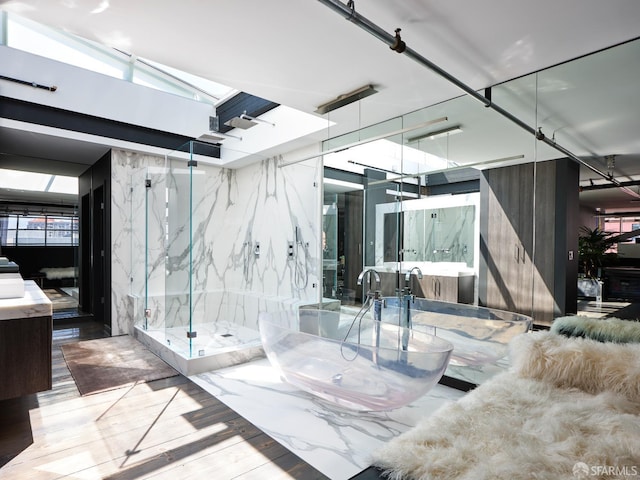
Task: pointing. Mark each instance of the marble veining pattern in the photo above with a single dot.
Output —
(127, 236)
(478, 374)
(235, 239)
(335, 441)
(233, 211)
(34, 303)
(147, 219)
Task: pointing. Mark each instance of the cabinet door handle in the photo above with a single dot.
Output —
(517, 252)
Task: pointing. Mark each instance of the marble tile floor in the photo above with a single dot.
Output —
(335, 441)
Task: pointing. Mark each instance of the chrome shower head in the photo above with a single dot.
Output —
(241, 122)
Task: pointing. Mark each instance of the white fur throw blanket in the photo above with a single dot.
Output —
(569, 408)
(55, 273)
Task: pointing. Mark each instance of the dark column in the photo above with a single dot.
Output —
(95, 241)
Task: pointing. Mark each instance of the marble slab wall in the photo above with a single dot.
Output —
(260, 208)
(127, 237)
(242, 223)
(148, 212)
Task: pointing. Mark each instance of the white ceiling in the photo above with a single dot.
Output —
(303, 54)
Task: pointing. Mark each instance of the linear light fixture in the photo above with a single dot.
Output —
(437, 134)
(372, 167)
(342, 184)
(346, 99)
(478, 165)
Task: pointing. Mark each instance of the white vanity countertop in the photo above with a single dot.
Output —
(34, 303)
(451, 273)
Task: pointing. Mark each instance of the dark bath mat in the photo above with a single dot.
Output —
(114, 362)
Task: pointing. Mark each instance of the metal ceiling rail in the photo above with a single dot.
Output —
(395, 43)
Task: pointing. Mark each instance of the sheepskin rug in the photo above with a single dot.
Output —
(586, 364)
(547, 418)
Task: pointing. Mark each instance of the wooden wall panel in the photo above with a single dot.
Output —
(527, 229)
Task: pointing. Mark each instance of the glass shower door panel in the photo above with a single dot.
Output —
(138, 285)
(155, 221)
(178, 255)
(199, 258)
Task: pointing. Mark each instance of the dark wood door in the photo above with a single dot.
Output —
(85, 300)
(98, 257)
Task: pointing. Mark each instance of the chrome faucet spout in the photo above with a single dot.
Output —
(376, 276)
(407, 277)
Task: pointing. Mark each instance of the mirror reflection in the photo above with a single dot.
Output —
(524, 200)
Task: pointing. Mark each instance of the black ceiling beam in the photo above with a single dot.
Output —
(29, 112)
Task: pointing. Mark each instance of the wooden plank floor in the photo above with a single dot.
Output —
(166, 429)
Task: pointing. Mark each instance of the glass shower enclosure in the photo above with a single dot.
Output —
(165, 243)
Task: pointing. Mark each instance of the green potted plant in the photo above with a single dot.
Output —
(593, 254)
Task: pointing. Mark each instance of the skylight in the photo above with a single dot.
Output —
(29, 36)
(213, 88)
(32, 37)
(38, 182)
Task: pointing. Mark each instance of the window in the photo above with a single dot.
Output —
(29, 36)
(38, 230)
(619, 226)
(37, 182)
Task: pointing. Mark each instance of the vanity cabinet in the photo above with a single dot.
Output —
(25, 343)
(457, 289)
